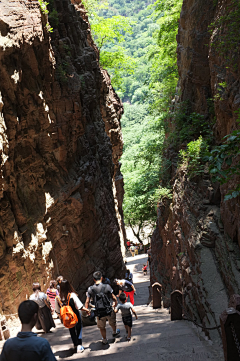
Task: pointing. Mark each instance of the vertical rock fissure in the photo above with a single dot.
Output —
(61, 144)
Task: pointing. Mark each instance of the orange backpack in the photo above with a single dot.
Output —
(68, 317)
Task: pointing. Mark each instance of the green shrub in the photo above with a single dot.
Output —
(193, 157)
(189, 126)
(221, 160)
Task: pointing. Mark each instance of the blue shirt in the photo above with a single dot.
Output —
(27, 347)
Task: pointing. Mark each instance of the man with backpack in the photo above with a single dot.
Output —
(101, 294)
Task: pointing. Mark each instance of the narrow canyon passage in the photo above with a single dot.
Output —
(154, 336)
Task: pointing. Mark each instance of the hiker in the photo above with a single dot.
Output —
(126, 287)
(105, 280)
(149, 253)
(27, 346)
(59, 280)
(101, 295)
(126, 308)
(144, 269)
(132, 250)
(129, 276)
(136, 250)
(128, 244)
(45, 320)
(68, 296)
(52, 293)
(140, 248)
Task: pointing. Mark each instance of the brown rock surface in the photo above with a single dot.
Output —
(195, 245)
(60, 145)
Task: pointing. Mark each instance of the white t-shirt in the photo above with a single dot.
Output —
(39, 298)
(78, 304)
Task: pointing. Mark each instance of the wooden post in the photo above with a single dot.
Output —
(176, 305)
(157, 295)
(230, 326)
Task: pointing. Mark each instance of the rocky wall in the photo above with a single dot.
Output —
(61, 185)
(195, 247)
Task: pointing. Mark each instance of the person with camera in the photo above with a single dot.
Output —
(101, 294)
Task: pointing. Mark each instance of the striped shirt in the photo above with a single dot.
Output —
(52, 295)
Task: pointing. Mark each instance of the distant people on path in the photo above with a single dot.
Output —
(52, 293)
(59, 280)
(132, 250)
(44, 320)
(149, 253)
(101, 294)
(126, 287)
(126, 308)
(128, 244)
(27, 346)
(129, 276)
(136, 250)
(105, 280)
(144, 269)
(69, 296)
(140, 248)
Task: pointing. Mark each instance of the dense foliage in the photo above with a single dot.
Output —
(149, 49)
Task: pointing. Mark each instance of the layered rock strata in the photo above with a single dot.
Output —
(61, 185)
(195, 246)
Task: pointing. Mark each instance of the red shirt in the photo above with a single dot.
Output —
(128, 244)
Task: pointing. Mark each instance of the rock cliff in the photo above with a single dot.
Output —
(195, 246)
(61, 185)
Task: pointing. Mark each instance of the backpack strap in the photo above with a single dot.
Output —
(59, 301)
(68, 298)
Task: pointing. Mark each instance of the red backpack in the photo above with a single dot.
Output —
(68, 317)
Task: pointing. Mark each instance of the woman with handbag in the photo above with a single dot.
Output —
(45, 320)
(68, 296)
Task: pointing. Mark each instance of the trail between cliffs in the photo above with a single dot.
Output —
(154, 336)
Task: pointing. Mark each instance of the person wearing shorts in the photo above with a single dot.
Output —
(126, 308)
(97, 288)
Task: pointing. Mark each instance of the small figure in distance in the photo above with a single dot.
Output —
(136, 250)
(105, 280)
(126, 308)
(27, 346)
(52, 293)
(144, 269)
(69, 296)
(45, 320)
(59, 280)
(149, 253)
(132, 250)
(101, 295)
(129, 276)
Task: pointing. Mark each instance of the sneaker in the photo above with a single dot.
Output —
(116, 333)
(128, 339)
(80, 348)
(104, 341)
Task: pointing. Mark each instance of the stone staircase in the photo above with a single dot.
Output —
(154, 336)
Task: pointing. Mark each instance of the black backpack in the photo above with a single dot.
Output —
(102, 304)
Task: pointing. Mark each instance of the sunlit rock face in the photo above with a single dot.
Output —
(60, 142)
(196, 243)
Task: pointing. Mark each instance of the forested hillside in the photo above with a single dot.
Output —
(141, 57)
(146, 93)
